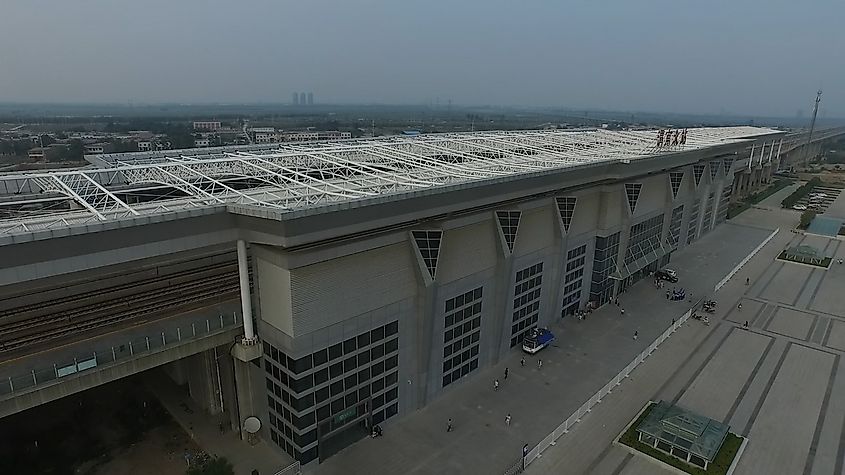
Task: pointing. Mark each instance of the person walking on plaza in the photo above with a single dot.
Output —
(506, 373)
(522, 362)
(496, 385)
(745, 325)
(540, 364)
(747, 280)
(622, 311)
(739, 306)
(636, 334)
(449, 425)
(508, 420)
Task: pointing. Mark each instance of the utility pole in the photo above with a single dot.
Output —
(812, 127)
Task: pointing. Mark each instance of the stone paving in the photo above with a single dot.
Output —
(587, 355)
(779, 383)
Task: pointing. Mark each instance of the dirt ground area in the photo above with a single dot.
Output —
(117, 428)
(160, 452)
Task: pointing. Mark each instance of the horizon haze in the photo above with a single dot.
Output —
(740, 58)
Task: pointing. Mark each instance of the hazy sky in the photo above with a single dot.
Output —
(762, 57)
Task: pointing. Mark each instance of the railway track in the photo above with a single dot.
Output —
(172, 293)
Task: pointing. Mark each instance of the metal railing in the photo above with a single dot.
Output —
(292, 469)
(82, 362)
(608, 388)
(745, 261)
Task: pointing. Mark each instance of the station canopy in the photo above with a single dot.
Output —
(294, 176)
(680, 428)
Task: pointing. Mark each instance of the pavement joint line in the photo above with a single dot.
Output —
(702, 365)
(769, 319)
(797, 341)
(821, 330)
(812, 327)
(750, 379)
(840, 453)
(811, 453)
(757, 314)
(774, 263)
(766, 390)
(623, 464)
(827, 332)
(803, 287)
(809, 311)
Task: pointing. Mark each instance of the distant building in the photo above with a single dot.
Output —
(98, 148)
(295, 99)
(310, 98)
(207, 125)
(306, 136)
(303, 99)
(411, 133)
(145, 145)
(45, 154)
(203, 142)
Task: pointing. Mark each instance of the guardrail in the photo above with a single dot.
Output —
(292, 469)
(745, 261)
(117, 353)
(586, 408)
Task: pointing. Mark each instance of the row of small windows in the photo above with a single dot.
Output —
(521, 313)
(579, 262)
(463, 299)
(573, 287)
(642, 240)
(675, 225)
(578, 251)
(576, 274)
(520, 301)
(528, 284)
(693, 221)
(460, 351)
(333, 352)
(530, 271)
(523, 318)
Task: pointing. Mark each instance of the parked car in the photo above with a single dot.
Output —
(799, 207)
(667, 275)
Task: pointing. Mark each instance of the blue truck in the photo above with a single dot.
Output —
(537, 339)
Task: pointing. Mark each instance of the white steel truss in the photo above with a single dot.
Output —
(295, 176)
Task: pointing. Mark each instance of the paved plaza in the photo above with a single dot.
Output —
(779, 383)
(587, 355)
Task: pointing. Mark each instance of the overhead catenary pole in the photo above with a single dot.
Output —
(812, 127)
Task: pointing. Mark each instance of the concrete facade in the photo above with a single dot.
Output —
(487, 276)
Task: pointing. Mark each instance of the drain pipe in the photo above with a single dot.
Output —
(246, 301)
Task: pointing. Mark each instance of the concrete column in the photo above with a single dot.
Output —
(246, 300)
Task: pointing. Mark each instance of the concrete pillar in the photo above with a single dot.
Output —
(204, 380)
(246, 300)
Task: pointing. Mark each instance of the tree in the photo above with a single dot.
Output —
(806, 218)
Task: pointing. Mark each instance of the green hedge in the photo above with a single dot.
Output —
(801, 192)
(738, 207)
(720, 464)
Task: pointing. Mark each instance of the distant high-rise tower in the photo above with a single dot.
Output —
(310, 98)
(296, 98)
(302, 99)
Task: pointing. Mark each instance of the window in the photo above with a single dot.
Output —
(462, 324)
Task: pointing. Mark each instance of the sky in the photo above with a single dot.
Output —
(755, 57)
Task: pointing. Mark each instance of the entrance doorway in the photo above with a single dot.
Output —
(343, 429)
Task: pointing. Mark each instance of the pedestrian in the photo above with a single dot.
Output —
(506, 373)
(739, 306)
(508, 420)
(667, 295)
(522, 362)
(745, 325)
(747, 280)
(636, 334)
(673, 321)
(622, 311)
(616, 301)
(449, 425)
(496, 385)
(540, 364)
